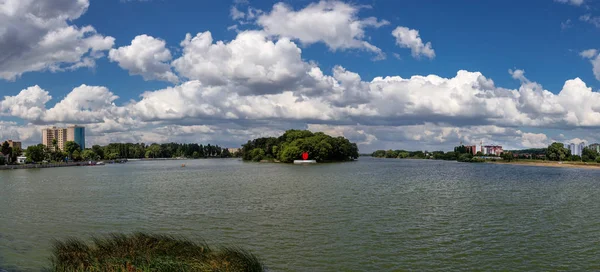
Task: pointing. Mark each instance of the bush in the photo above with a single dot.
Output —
(477, 160)
(465, 157)
(145, 252)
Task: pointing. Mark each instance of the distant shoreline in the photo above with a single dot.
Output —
(563, 164)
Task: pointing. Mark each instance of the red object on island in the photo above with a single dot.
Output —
(305, 156)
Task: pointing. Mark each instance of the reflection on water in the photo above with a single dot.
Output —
(370, 215)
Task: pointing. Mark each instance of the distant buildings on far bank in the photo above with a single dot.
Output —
(595, 147)
(14, 144)
(494, 150)
(63, 135)
(576, 149)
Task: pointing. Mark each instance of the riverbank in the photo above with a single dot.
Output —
(589, 165)
(47, 165)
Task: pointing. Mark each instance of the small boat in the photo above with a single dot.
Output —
(183, 165)
(100, 163)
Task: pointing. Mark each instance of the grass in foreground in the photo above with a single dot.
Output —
(148, 252)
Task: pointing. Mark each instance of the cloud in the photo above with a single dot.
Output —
(430, 109)
(258, 84)
(344, 30)
(571, 2)
(236, 14)
(589, 53)
(592, 55)
(251, 62)
(566, 24)
(409, 38)
(588, 18)
(535, 140)
(146, 56)
(35, 35)
(28, 104)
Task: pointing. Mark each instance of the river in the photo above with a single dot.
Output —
(368, 215)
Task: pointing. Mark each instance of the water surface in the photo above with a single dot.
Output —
(369, 215)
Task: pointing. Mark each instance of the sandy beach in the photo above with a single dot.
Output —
(590, 165)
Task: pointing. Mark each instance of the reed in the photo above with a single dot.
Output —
(148, 252)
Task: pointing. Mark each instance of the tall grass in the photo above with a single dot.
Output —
(148, 252)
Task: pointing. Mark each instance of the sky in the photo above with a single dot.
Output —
(414, 74)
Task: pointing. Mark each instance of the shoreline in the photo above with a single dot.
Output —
(551, 164)
(38, 166)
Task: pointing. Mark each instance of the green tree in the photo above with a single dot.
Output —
(258, 154)
(290, 153)
(99, 151)
(391, 154)
(575, 158)
(76, 155)
(55, 144)
(89, 155)
(378, 154)
(507, 156)
(557, 152)
(16, 152)
(36, 153)
(196, 155)
(2, 160)
(466, 157)
(226, 154)
(71, 146)
(589, 155)
(5, 149)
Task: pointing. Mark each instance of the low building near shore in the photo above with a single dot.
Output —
(21, 159)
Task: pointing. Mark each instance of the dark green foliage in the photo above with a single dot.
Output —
(401, 154)
(36, 153)
(169, 150)
(89, 154)
(71, 147)
(507, 156)
(2, 160)
(145, 252)
(289, 147)
(6, 149)
(589, 155)
(575, 158)
(461, 149)
(557, 152)
(465, 157)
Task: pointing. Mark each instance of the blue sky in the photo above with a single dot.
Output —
(541, 42)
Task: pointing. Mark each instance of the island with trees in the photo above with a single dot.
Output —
(290, 146)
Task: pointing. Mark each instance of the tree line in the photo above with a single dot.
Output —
(460, 153)
(558, 152)
(115, 151)
(290, 146)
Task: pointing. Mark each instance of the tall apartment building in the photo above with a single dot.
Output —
(76, 134)
(49, 134)
(63, 135)
(576, 149)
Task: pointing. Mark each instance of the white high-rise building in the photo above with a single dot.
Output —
(576, 149)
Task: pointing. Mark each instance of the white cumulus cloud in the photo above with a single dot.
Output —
(35, 35)
(333, 23)
(410, 38)
(146, 56)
